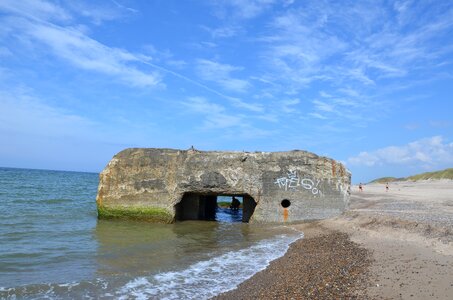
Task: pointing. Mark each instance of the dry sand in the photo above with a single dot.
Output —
(389, 245)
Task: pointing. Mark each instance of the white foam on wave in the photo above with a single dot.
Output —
(209, 278)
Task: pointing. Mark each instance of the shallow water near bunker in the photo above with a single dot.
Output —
(53, 246)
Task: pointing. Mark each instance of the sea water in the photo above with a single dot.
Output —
(53, 246)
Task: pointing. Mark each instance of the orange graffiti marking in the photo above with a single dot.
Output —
(285, 214)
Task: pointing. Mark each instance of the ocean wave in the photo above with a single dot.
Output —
(201, 280)
(209, 278)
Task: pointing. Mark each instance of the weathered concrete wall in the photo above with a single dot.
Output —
(317, 187)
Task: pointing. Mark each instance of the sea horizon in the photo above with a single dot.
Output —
(43, 169)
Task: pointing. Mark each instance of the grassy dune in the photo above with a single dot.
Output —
(444, 174)
(386, 179)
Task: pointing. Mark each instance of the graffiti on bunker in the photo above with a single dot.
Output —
(292, 181)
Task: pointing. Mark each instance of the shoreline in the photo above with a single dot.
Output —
(388, 245)
(325, 264)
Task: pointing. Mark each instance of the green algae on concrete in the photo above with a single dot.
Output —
(150, 214)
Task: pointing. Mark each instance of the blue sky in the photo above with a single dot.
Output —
(369, 83)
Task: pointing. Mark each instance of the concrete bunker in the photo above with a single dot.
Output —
(168, 185)
(203, 206)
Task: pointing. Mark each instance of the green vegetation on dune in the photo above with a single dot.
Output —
(443, 174)
(386, 179)
(150, 214)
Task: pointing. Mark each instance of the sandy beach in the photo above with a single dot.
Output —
(395, 244)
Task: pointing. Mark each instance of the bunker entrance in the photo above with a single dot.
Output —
(215, 207)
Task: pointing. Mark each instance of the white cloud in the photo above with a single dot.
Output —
(325, 95)
(255, 107)
(431, 151)
(216, 116)
(353, 52)
(89, 54)
(130, 9)
(347, 102)
(86, 53)
(298, 48)
(225, 31)
(226, 123)
(35, 9)
(251, 9)
(309, 44)
(359, 75)
(74, 46)
(221, 74)
(202, 105)
(242, 9)
(340, 108)
(100, 12)
(349, 92)
(318, 116)
(323, 106)
(288, 106)
(31, 26)
(49, 11)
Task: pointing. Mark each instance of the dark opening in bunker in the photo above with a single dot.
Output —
(215, 207)
(285, 203)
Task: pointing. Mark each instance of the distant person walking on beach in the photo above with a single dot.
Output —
(360, 187)
(235, 204)
(387, 187)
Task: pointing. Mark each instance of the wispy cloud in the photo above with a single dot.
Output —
(289, 106)
(225, 31)
(323, 106)
(221, 74)
(354, 52)
(101, 12)
(318, 116)
(342, 106)
(35, 9)
(428, 152)
(216, 115)
(74, 46)
(89, 54)
(241, 9)
(255, 107)
(298, 47)
(130, 9)
(46, 10)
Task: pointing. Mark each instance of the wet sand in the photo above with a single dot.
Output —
(389, 245)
